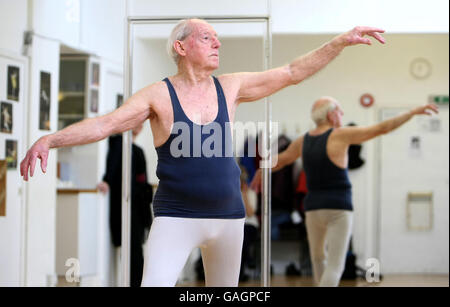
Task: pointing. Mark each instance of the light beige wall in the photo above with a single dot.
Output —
(382, 70)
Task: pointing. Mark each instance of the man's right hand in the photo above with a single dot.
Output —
(39, 150)
(427, 109)
(256, 182)
(103, 187)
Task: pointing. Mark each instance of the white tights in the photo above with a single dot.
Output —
(172, 239)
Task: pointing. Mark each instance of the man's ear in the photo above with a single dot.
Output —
(179, 48)
(330, 117)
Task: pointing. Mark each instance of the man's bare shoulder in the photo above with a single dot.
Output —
(229, 80)
(346, 134)
(343, 130)
(156, 90)
(340, 132)
(155, 96)
(230, 84)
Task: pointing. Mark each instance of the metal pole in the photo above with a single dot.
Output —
(126, 164)
(267, 173)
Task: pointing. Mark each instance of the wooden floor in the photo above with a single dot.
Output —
(288, 281)
(386, 281)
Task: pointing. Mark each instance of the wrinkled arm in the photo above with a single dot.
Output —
(129, 115)
(90, 130)
(292, 153)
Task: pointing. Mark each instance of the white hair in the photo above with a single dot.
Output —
(320, 114)
(180, 32)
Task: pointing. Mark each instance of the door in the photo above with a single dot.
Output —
(414, 160)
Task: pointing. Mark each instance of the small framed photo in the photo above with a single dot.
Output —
(11, 154)
(6, 117)
(94, 101)
(95, 74)
(119, 100)
(13, 83)
(44, 101)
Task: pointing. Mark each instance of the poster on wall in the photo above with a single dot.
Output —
(94, 101)
(44, 102)
(95, 74)
(429, 124)
(11, 154)
(13, 83)
(415, 147)
(6, 117)
(3, 187)
(119, 100)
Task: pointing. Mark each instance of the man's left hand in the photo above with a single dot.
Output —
(356, 36)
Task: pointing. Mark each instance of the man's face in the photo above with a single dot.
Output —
(338, 115)
(335, 116)
(202, 46)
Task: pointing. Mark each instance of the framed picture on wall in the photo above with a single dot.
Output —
(94, 101)
(44, 101)
(95, 74)
(13, 83)
(3, 172)
(6, 117)
(11, 154)
(119, 100)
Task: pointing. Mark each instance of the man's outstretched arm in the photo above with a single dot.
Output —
(128, 116)
(257, 85)
(358, 135)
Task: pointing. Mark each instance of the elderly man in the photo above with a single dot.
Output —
(198, 201)
(328, 204)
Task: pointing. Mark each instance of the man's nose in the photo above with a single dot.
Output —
(216, 43)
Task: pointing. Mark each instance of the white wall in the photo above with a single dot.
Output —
(57, 19)
(13, 22)
(197, 8)
(304, 16)
(96, 27)
(102, 28)
(41, 189)
(329, 16)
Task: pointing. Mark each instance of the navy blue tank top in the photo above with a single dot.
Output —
(328, 185)
(198, 174)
